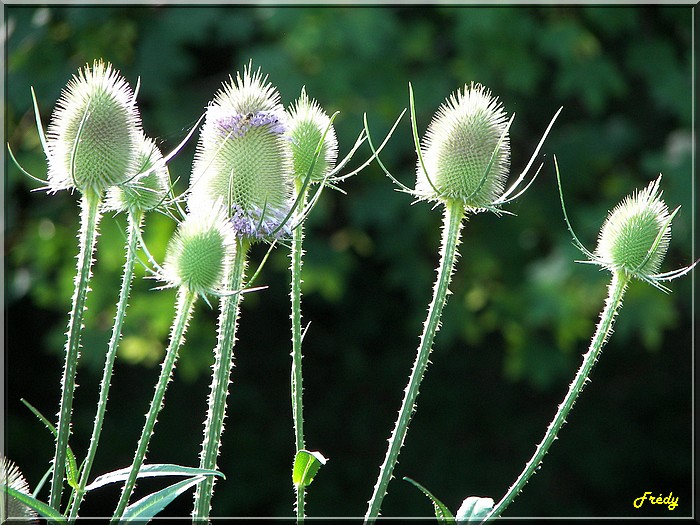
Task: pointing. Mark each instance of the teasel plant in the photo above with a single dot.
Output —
(632, 244)
(91, 145)
(13, 505)
(462, 164)
(139, 195)
(314, 148)
(244, 158)
(197, 260)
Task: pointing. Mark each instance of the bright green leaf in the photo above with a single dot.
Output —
(150, 471)
(150, 505)
(442, 513)
(40, 507)
(306, 465)
(473, 509)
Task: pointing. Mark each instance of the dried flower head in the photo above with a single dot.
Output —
(244, 158)
(148, 188)
(94, 132)
(466, 151)
(200, 251)
(10, 507)
(309, 126)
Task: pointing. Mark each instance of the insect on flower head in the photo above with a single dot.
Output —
(244, 158)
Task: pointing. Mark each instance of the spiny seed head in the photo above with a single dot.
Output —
(94, 132)
(307, 125)
(636, 233)
(244, 157)
(147, 190)
(467, 132)
(10, 476)
(200, 251)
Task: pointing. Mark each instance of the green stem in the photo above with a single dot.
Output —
(454, 212)
(127, 277)
(297, 393)
(185, 303)
(214, 424)
(89, 221)
(616, 291)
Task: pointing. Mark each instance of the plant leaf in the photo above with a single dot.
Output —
(150, 505)
(150, 471)
(442, 513)
(40, 507)
(306, 465)
(474, 508)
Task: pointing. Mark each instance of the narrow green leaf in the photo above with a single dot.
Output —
(150, 471)
(306, 465)
(71, 464)
(442, 513)
(474, 509)
(149, 506)
(38, 506)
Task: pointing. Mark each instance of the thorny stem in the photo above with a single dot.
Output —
(89, 221)
(185, 303)
(214, 424)
(452, 223)
(616, 291)
(297, 393)
(135, 220)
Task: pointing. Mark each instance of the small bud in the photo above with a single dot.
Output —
(307, 125)
(200, 251)
(466, 151)
(146, 190)
(94, 132)
(636, 233)
(244, 158)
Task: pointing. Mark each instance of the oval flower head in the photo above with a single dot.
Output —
(465, 155)
(243, 157)
(200, 251)
(309, 128)
(94, 132)
(148, 188)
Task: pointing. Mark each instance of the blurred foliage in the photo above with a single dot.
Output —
(521, 313)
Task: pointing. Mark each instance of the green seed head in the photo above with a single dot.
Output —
(94, 132)
(307, 125)
(635, 236)
(244, 157)
(466, 151)
(146, 190)
(200, 251)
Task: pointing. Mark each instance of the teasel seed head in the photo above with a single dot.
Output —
(308, 124)
(466, 151)
(148, 188)
(94, 132)
(244, 158)
(10, 476)
(200, 251)
(635, 236)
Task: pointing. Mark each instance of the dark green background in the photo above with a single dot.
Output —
(521, 313)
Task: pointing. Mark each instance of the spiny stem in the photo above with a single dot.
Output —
(297, 393)
(616, 291)
(135, 220)
(89, 221)
(185, 303)
(452, 223)
(214, 424)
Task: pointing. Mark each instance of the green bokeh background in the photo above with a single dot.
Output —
(521, 312)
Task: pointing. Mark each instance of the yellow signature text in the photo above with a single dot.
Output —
(669, 500)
